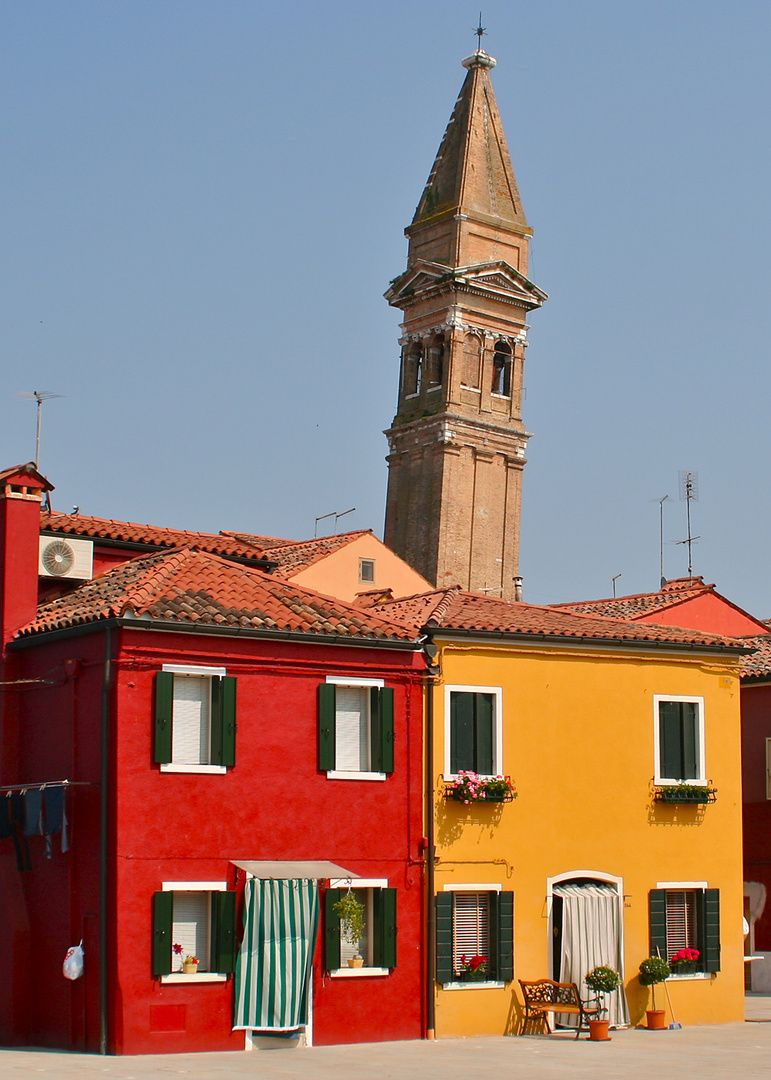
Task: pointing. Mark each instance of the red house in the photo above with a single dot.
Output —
(200, 760)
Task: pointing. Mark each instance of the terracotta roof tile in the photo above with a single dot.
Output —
(193, 586)
(453, 609)
(130, 532)
(639, 604)
(293, 556)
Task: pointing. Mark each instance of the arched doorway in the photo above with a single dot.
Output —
(586, 927)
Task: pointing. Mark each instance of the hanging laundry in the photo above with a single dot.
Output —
(55, 817)
(33, 824)
(18, 817)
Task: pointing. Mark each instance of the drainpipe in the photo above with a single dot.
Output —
(104, 776)
(431, 650)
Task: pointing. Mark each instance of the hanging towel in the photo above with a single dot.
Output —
(18, 818)
(56, 817)
(33, 824)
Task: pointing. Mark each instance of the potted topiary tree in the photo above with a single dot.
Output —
(652, 971)
(603, 980)
(351, 915)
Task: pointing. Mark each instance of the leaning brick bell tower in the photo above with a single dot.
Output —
(457, 442)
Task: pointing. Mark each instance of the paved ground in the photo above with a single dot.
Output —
(728, 1051)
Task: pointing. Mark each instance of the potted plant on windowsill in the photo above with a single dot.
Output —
(603, 980)
(468, 787)
(473, 970)
(684, 961)
(351, 914)
(686, 793)
(652, 971)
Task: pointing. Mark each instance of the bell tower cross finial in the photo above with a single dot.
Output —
(480, 32)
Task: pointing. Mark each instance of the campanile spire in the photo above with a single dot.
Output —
(457, 443)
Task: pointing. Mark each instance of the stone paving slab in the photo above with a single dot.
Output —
(721, 1051)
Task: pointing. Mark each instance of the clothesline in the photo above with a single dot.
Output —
(8, 788)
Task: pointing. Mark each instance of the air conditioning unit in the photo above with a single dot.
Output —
(66, 558)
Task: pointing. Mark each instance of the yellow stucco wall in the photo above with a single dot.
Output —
(578, 740)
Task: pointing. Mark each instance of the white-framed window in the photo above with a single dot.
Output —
(375, 953)
(195, 720)
(475, 935)
(356, 728)
(366, 571)
(679, 739)
(194, 920)
(473, 730)
(686, 915)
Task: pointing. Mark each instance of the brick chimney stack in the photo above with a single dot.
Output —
(21, 493)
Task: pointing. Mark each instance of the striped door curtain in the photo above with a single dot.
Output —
(273, 968)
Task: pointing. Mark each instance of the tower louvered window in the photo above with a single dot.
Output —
(472, 353)
(502, 369)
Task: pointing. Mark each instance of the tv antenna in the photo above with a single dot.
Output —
(333, 514)
(689, 492)
(40, 396)
(613, 581)
(662, 579)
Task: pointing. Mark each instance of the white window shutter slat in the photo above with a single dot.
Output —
(352, 729)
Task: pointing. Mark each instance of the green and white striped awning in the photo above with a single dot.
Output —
(273, 968)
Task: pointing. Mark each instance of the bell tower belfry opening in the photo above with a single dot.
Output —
(457, 442)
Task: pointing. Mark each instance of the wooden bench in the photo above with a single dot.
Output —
(546, 995)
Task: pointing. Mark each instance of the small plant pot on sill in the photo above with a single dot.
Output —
(356, 962)
(472, 976)
(598, 1030)
(655, 1019)
(189, 968)
(686, 967)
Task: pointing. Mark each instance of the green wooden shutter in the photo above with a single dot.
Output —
(709, 904)
(223, 720)
(689, 724)
(483, 731)
(502, 935)
(461, 731)
(375, 736)
(223, 936)
(657, 909)
(326, 726)
(386, 695)
(163, 908)
(670, 741)
(164, 708)
(331, 930)
(384, 935)
(444, 966)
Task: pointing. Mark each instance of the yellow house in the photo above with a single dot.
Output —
(593, 719)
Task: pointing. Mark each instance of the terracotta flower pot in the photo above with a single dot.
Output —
(356, 961)
(598, 1030)
(655, 1019)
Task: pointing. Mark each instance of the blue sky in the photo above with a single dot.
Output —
(204, 202)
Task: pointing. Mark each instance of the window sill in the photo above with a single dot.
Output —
(473, 389)
(199, 977)
(430, 389)
(172, 767)
(358, 973)
(334, 774)
(492, 985)
(503, 397)
(690, 976)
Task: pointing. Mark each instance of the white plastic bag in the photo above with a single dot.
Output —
(72, 967)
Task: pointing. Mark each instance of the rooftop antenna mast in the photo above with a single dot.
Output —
(40, 396)
(689, 491)
(662, 579)
(613, 580)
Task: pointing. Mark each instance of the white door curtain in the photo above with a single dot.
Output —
(591, 935)
(273, 968)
